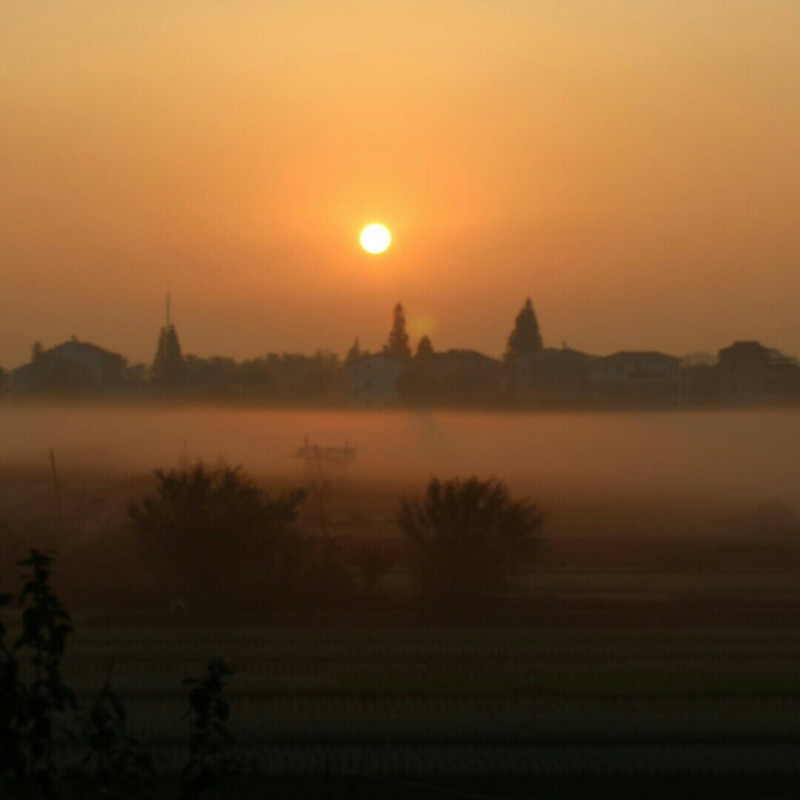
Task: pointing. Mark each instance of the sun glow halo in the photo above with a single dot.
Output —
(375, 238)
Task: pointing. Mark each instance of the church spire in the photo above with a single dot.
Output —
(168, 365)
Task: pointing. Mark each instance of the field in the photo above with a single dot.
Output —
(507, 707)
(653, 650)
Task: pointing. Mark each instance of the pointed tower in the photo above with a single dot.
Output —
(168, 367)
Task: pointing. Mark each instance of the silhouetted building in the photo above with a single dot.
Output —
(636, 378)
(551, 377)
(71, 367)
(466, 377)
(373, 380)
(215, 378)
(750, 373)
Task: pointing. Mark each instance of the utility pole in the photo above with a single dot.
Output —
(56, 492)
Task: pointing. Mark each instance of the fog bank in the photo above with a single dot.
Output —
(736, 454)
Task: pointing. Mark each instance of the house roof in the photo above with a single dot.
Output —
(84, 351)
(458, 355)
(554, 354)
(745, 349)
(641, 355)
(379, 356)
(79, 352)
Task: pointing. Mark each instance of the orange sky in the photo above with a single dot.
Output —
(633, 166)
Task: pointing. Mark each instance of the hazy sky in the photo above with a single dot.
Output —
(632, 165)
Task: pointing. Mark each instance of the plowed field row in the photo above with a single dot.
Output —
(459, 685)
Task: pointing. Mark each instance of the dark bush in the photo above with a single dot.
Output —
(466, 539)
(214, 533)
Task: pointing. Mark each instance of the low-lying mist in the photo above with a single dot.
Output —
(716, 454)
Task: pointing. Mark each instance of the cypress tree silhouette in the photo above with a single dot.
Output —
(525, 337)
(397, 346)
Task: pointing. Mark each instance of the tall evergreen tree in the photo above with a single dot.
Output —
(525, 337)
(397, 346)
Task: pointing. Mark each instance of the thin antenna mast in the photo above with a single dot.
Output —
(59, 509)
(168, 309)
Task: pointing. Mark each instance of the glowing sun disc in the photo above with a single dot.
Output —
(375, 238)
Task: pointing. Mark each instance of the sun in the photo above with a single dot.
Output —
(375, 238)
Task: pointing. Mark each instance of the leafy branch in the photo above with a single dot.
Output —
(210, 761)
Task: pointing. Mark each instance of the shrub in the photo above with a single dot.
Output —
(46, 699)
(210, 528)
(467, 537)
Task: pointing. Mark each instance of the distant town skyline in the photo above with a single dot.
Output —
(633, 167)
(357, 343)
(529, 376)
(367, 347)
